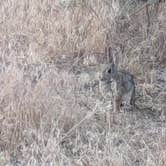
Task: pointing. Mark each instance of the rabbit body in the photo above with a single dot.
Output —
(122, 85)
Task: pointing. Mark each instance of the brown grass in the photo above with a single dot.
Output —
(49, 115)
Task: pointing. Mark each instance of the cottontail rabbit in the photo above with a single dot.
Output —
(124, 86)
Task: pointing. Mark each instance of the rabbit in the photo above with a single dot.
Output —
(124, 85)
(124, 88)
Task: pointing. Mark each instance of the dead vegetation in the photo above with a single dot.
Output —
(53, 109)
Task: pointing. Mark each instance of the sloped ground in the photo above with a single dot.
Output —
(56, 112)
(53, 116)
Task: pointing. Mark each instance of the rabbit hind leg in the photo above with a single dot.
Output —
(117, 103)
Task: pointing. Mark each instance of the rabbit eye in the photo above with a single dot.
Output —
(109, 71)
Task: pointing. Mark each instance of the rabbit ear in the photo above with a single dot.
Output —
(115, 58)
(114, 68)
(110, 54)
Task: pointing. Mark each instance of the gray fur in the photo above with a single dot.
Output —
(124, 89)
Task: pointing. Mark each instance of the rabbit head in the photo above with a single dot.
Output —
(110, 70)
(109, 73)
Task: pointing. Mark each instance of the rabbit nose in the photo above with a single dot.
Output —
(102, 79)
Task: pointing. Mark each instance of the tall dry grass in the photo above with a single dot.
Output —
(47, 114)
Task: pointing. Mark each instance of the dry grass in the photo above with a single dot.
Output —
(49, 115)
